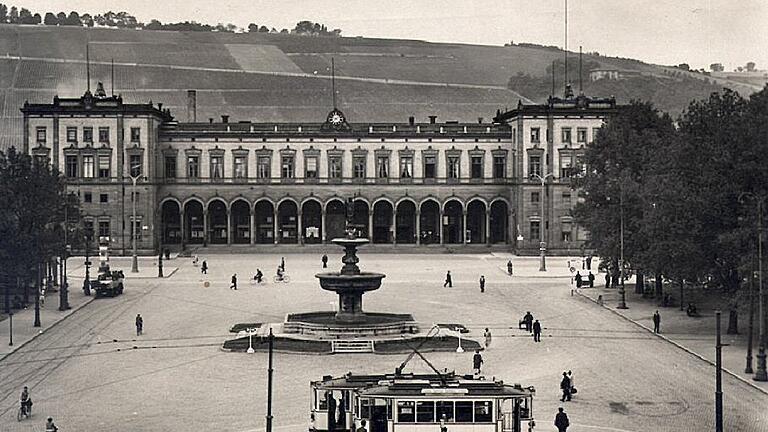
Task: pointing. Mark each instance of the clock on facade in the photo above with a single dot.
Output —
(336, 117)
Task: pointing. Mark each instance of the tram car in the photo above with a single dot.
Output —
(443, 402)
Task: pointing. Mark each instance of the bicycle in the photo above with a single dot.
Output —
(24, 412)
(285, 279)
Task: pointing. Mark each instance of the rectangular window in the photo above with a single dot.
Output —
(580, 165)
(87, 197)
(135, 135)
(406, 412)
(566, 166)
(464, 410)
(499, 167)
(581, 135)
(566, 231)
(41, 138)
(535, 135)
(425, 412)
(103, 228)
(534, 165)
(535, 230)
(444, 410)
(594, 133)
(88, 135)
(358, 165)
(88, 168)
(138, 229)
(103, 198)
(535, 197)
(135, 165)
(170, 167)
(477, 167)
(72, 135)
(430, 167)
(334, 167)
(241, 167)
(567, 197)
(217, 167)
(193, 166)
(286, 169)
(104, 166)
(406, 167)
(71, 166)
(483, 413)
(566, 132)
(263, 164)
(382, 166)
(453, 167)
(104, 135)
(88, 228)
(310, 170)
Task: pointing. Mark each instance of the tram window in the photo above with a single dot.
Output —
(365, 408)
(483, 412)
(405, 412)
(464, 411)
(425, 412)
(323, 402)
(445, 409)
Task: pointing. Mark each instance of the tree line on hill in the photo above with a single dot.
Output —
(687, 193)
(14, 15)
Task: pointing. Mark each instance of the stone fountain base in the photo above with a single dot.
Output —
(327, 325)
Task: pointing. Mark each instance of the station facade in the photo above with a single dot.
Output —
(502, 184)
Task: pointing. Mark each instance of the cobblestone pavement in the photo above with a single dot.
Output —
(90, 374)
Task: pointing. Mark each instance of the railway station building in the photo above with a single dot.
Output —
(232, 183)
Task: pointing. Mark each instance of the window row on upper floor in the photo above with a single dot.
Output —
(566, 135)
(85, 134)
(570, 163)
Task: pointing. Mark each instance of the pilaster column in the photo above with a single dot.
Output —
(275, 227)
(229, 227)
(370, 224)
(322, 225)
(440, 226)
(488, 226)
(183, 225)
(252, 231)
(205, 227)
(394, 225)
(463, 232)
(418, 227)
(299, 234)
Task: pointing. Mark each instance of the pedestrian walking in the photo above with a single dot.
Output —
(561, 420)
(528, 319)
(482, 283)
(204, 267)
(565, 386)
(324, 259)
(477, 362)
(448, 282)
(536, 331)
(573, 386)
(42, 296)
(510, 268)
(589, 262)
(139, 325)
(656, 322)
(233, 285)
(578, 280)
(591, 279)
(607, 279)
(487, 335)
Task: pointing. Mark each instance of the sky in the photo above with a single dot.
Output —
(697, 32)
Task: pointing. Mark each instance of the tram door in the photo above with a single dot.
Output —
(376, 411)
(510, 415)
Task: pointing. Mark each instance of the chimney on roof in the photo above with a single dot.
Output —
(411, 120)
(210, 119)
(192, 106)
(432, 119)
(225, 118)
(480, 120)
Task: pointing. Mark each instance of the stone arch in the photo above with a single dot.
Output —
(312, 220)
(194, 221)
(240, 220)
(170, 221)
(264, 221)
(499, 216)
(405, 222)
(429, 221)
(218, 215)
(383, 211)
(453, 221)
(288, 221)
(335, 217)
(476, 229)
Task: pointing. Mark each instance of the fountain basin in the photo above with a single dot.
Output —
(328, 325)
(349, 283)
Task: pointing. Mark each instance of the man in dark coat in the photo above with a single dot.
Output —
(477, 362)
(578, 280)
(325, 261)
(233, 285)
(482, 284)
(589, 262)
(204, 267)
(591, 279)
(536, 331)
(139, 325)
(607, 279)
(565, 386)
(656, 322)
(561, 420)
(528, 319)
(448, 281)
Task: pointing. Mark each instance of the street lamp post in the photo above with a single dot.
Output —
(87, 279)
(750, 333)
(134, 179)
(542, 223)
(760, 373)
(622, 292)
(10, 328)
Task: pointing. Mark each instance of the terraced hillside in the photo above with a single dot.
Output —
(266, 77)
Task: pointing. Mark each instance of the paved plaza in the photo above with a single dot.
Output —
(91, 373)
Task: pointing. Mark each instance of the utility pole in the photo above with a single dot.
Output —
(622, 292)
(750, 336)
(718, 379)
(37, 298)
(269, 383)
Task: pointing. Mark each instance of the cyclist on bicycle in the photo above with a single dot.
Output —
(258, 276)
(25, 400)
(50, 426)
